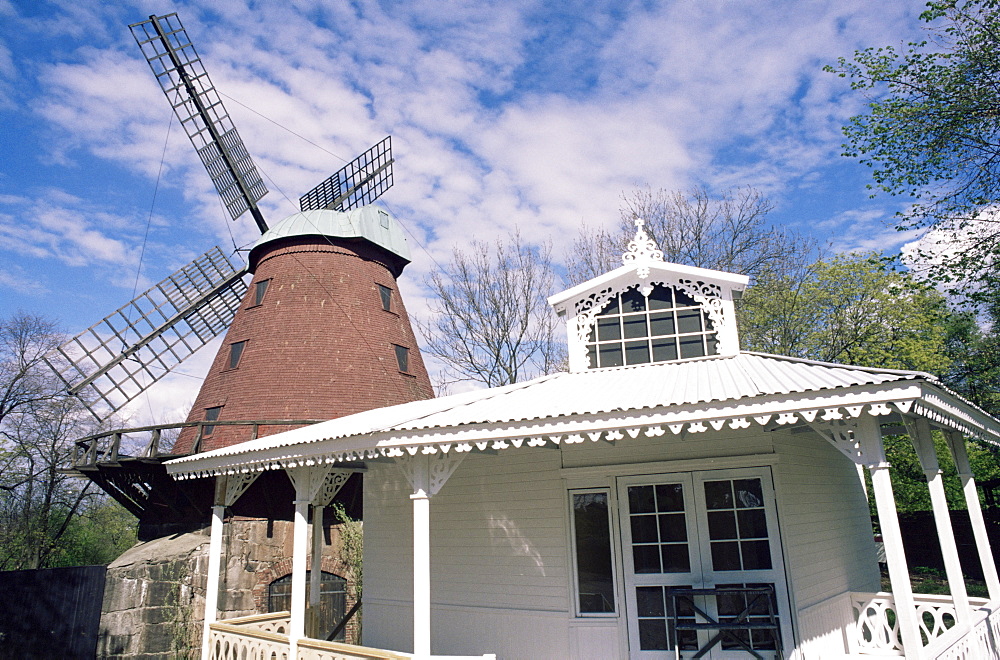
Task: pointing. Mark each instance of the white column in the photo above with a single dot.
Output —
(212, 585)
(899, 574)
(316, 568)
(920, 435)
(420, 481)
(956, 443)
(421, 574)
(299, 543)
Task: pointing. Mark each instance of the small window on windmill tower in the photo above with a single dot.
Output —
(402, 358)
(259, 292)
(383, 219)
(235, 353)
(211, 415)
(386, 295)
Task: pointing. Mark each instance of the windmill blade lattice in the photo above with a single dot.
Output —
(359, 182)
(182, 76)
(120, 357)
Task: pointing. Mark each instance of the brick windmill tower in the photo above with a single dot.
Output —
(319, 332)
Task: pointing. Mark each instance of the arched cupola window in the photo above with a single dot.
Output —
(666, 325)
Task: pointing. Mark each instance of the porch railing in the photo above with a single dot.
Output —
(866, 624)
(265, 636)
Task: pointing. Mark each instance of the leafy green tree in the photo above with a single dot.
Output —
(974, 371)
(850, 309)
(932, 133)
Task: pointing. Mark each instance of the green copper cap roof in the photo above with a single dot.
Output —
(369, 222)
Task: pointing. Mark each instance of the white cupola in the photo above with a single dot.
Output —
(649, 310)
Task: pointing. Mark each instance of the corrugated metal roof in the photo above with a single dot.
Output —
(661, 385)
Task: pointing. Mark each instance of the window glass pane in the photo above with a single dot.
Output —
(672, 527)
(636, 352)
(609, 329)
(635, 326)
(718, 495)
(664, 349)
(646, 558)
(640, 499)
(748, 493)
(756, 555)
(611, 355)
(692, 347)
(689, 321)
(661, 323)
(721, 525)
(683, 300)
(385, 294)
(633, 301)
(402, 357)
(660, 297)
(591, 524)
(644, 529)
(235, 352)
(653, 634)
(670, 497)
(725, 555)
(675, 558)
(753, 523)
(211, 415)
(649, 601)
(260, 290)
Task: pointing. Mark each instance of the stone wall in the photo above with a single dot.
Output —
(154, 599)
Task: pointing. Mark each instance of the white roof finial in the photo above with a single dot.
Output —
(642, 250)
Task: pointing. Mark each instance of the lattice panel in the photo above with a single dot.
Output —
(197, 104)
(117, 359)
(358, 183)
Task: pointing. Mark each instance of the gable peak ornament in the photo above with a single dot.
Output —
(642, 251)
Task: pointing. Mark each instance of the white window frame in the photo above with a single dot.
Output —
(612, 507)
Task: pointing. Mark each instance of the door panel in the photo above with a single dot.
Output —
(699, 530)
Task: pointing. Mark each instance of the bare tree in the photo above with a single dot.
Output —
(490, 321)
(728, 233)
(39, 503)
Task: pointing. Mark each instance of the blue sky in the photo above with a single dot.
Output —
(536, 115)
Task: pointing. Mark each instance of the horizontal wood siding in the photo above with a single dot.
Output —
(498, 556)
(826, 528)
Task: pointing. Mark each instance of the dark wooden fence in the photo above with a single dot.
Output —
(51, 613)
(920, 540)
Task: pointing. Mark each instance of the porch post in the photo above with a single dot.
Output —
(227, 490)
(956, 443)
(299, 543)
(920, 435)
(316, 568)
(885, 504)
(421, 559)
(214, 564)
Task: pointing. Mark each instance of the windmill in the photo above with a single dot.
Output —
(319, 332)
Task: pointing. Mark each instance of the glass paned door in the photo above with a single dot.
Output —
(701, 548)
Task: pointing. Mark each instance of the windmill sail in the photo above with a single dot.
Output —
(120, 357)
(181, 75)
(359, 182)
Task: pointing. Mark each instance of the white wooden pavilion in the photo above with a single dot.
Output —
(668, 496)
